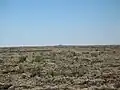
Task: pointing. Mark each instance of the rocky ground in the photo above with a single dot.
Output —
(60, 68)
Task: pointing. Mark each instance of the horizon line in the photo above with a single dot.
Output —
(47, 45)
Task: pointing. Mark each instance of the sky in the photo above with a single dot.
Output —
(54, 22)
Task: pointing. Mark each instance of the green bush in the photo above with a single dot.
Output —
(38, 59)
(22, 59)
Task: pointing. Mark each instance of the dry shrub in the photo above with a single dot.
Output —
(94, 54)
(38, 59)
(22, 59)
(87, 52)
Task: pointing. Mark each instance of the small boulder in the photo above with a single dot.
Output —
(11, 88)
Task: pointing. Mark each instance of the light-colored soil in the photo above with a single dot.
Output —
(60, 68)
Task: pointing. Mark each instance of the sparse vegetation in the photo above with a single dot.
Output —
(22, 59)
(38, 59)
(61, 68)
(94, 54)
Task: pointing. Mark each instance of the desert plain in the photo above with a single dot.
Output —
(60, 68)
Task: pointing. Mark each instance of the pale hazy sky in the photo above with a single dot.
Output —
(50, 22)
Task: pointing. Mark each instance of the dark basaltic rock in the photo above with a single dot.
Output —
(5, 86)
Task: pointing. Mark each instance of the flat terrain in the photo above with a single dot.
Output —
(60, 68)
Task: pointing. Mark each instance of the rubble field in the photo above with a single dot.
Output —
(60, 68)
